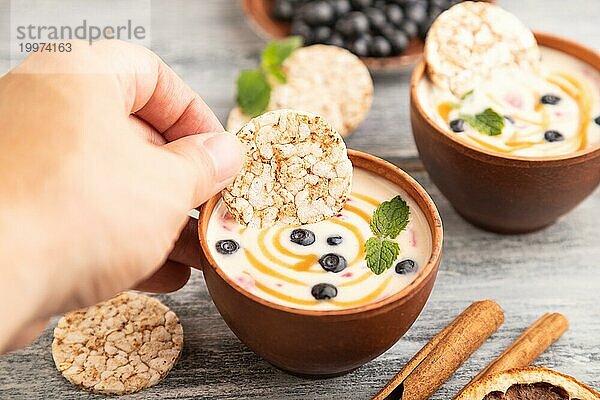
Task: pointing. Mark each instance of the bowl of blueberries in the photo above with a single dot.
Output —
(387, 35)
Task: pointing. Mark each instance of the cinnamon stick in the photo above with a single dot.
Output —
(528, 346)
(439, 358)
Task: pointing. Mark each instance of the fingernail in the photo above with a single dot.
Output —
(226, 152)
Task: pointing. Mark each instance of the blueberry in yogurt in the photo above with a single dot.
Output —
(324, 291)
(333, 263)
(457, 125)
(550, 99)
(334, 240)
(303, 237)
(406, 267)
(553, 136)
(227, 246)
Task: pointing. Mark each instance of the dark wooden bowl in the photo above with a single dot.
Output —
(325, 343)
(259, 16)
(501, 193)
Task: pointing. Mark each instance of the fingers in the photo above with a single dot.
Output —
(187, 248)
(208, 163)
(170, 277)
(146, 131)
(156, 94)
(27, 335)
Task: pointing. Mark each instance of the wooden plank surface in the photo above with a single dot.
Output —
(557, 270)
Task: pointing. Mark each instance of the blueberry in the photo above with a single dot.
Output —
(549, 99)
(334, 240)
(597, 120)
(360, 46)
(303, 237)
(406, 267)
(376, 18)
(394, 14)
(322, 34)
(283, 10)
(227, 246)
(361, 4)
(380, 47)
(457, 125)
(318, 13)
(397, 39)
(341, 7)
(409, 27)
(335, 40)
(324, 291)
(352, 24)
(333, 262)
(416, 12)
(300, 28)
(553, 136)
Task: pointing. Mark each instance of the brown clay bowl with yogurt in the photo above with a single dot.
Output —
(513, 192)
(270, 310)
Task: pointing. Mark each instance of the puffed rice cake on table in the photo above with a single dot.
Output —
(470, 40)
(325, 80)
(296, 171)
(119, 346)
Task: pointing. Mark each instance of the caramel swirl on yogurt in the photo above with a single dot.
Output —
(321, 266)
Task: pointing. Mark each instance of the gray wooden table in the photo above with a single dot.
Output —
(556, 270)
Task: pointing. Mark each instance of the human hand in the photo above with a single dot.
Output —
(98, 172)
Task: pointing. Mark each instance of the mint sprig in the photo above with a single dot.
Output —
(254, 92)
(488, 122)
(388, 221)
(390, 218)
(253, 86)
(275, 53)
(380, 254)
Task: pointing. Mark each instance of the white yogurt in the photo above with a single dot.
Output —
(516, 93)
(272, 267)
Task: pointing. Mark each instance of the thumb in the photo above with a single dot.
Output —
(210, 162)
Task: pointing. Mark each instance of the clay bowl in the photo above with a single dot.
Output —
(325, 343)
(501, 193)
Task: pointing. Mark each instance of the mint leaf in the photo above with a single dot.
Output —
(253, 92)
(488, 122)
(275, 53)
(390, 218)
(380, 254)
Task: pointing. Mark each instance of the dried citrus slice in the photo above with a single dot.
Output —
(527, 384)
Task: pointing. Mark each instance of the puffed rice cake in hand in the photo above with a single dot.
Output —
(296, 171)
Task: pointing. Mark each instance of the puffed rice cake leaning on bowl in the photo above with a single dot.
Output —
(325, 80)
